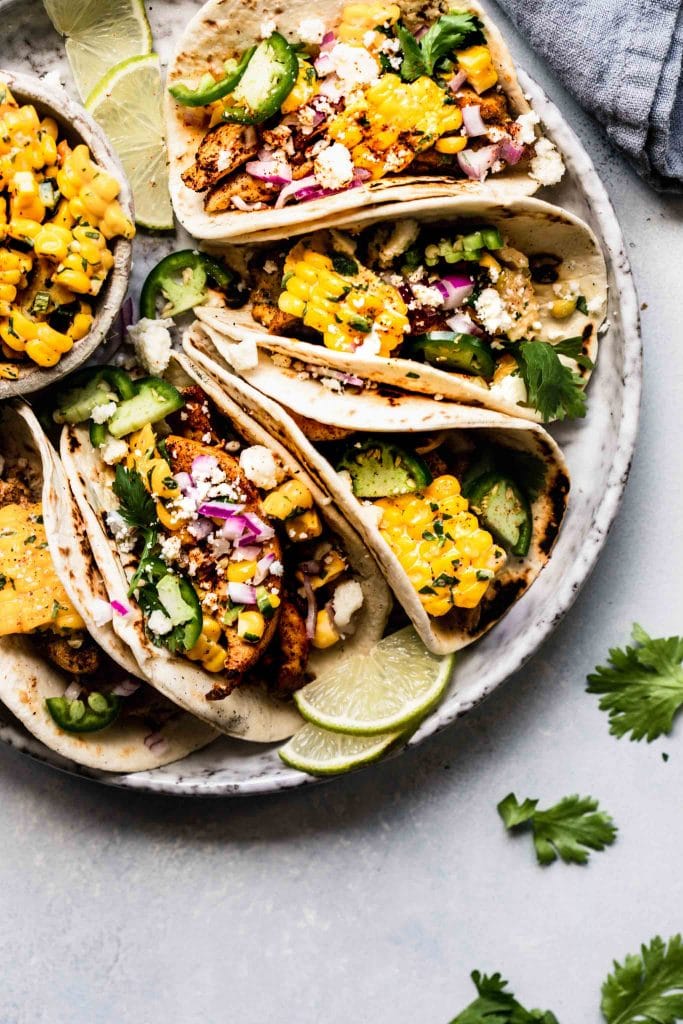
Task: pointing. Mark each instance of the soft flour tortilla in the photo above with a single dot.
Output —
(27, 678)
(250, 712)
(529, 225)
(224, 28)
(410, 414)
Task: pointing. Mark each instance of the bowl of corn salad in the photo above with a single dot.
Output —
(66, 228)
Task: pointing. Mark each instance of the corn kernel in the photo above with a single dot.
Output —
(240, 572)
(451, 144)
(326, 633)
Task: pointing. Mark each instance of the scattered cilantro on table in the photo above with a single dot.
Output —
(642, 687)
(646, 988)
(494, 1005)
(569, 829)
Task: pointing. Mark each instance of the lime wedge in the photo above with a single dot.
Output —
(387, 689)
(99, 35)
(320, 752)
(127, 104)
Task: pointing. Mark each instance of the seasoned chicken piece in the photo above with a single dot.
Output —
(294, 648)
(14, 492)
(265, 292)
(493, 105)
(82, 660)
(194, 420)
(224, 148)
(432, 162)
(251, 190)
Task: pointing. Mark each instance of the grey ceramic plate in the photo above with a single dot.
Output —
(598, 450)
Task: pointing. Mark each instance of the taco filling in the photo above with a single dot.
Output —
(376, 94)
(226, 554)
(462, 300)
(34, 605)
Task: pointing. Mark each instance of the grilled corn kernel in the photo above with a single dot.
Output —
(304, 89)
(477, 64)
(304, 527)
(251, 626)
(447, 557)
(561, 309)
(326, 633)
(287, 500)
(451, 144)
(331, 567)
(240, 572)
(52, 241)
(211, 655)
(211, 628)
(81, 323)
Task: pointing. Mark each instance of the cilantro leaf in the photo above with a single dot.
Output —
(495, 1005)
(449, 33)
(136, 504)
(569, 829)
(582, 305)
(553, 389)
(573, 348)
(413, 64)
(646, 989)
(642, 687)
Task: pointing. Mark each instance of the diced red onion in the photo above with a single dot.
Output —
(277, 172)
(220, 509)
(243, 205)
(263, 567)
(322, 63)
(308, 188)
(475, 163)
(472, 120)
(246, 554)
(73, 691)
(126, 688)
(235, 527)
(462, 324)
(184, 481)
(259, 530)
(512, 152)
(203, 466)
(346, 378)
(421, 32)
(200, 528)
(312, 611)
(310, 181)
(455, 290)
(457, 81)
(157, 743)
(241, 593)
(119, 608)
(328, 42)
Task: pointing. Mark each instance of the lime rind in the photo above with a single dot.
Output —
(389, 689)
(321, 752)
(127, 103)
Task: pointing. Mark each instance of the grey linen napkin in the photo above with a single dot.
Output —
(622, 61)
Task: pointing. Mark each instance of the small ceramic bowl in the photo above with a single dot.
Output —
(77, 126)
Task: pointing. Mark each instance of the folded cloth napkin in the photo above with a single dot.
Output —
(622, 60)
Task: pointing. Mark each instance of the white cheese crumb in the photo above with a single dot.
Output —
(427, 296)
(333, 167)
(353, 65)
(170, 548)
(101, 413)
(101, 611)
(270, 266)
(242, 355)
(595, 304)
(547, 166)
(492, 312)
(113, 450)
(121, 532)
(510, 389)
(159, 624)
(347, 599)
(526, 134)
(311, 31)
(259, 466)
(331, 383)
(277, 568)
(402, 237)
(152, 341)
(266, 28)
(371, 344)
(372, 514)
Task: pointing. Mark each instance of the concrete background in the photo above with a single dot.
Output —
(371, 899)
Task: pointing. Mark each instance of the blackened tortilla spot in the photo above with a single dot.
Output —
(557, 497)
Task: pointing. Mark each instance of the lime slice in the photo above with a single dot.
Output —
(387, 689)
(127, 104)
(321, 752)
(99, 35)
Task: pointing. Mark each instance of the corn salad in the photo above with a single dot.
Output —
(58, 213)
(448, 558)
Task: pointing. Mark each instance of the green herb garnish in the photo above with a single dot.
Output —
(552, 388)
(568, 830)
(646, 987)
(495, 1005)
(449, 33)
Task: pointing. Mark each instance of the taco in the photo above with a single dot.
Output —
(234, 578)
(481, 304)
(460, 506)
(276, 117)
(66, 676)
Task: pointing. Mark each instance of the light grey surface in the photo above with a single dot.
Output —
(372, 898)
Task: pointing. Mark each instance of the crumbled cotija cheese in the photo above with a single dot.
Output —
(153, 343)
(259, 466)
(547, 166)
(347, 599)
(333, 167)
(526, 134)
(159, 624)
(311, 31)
(101, 413)
(492, 313)
(353, 65)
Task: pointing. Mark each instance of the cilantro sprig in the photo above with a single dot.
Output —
(642, 688)
(449, 33)
(569, 829)
(554, 389)
(495, 1005)
(646, 988)
(137, 508)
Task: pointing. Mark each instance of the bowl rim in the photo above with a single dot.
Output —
(54, 101)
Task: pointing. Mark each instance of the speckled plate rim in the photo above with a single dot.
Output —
(596, 197)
